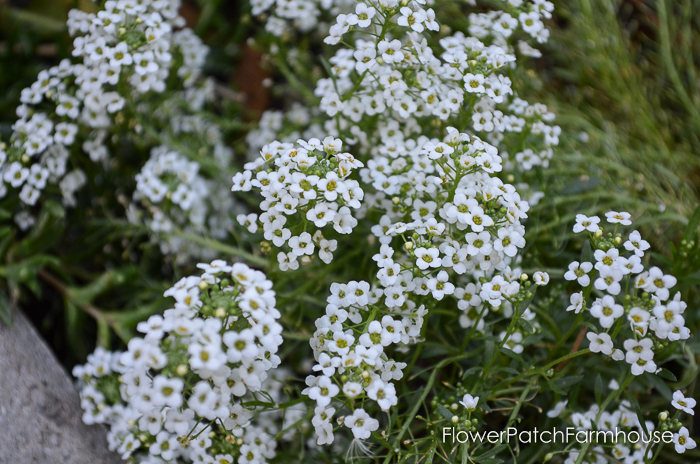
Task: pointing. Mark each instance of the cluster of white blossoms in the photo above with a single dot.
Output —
(172, 196)
(349, 346)
(517, 14)
(286, 16)
(123, 51)
(631, 295)
(457, 224)
(401, 79)
(306, 188)
(625, 419)
(178, 392)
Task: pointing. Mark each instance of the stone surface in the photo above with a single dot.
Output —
(40, 415)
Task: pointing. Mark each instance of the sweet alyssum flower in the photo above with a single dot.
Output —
(190, 371)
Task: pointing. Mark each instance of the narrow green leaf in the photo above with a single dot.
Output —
(660, 386)
(691, 229)
(637, 410)
(526, 325)
(598, 389)
(512, 354)
(668, 375)
(489, 347)
(587, 252)
(491, 452)
(567, 382)
(553, 386)
(445, 412)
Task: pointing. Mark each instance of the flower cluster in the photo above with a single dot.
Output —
(349, 345)
(177, 392)
(306, 187)
(631, 296)
(124, 51)
(625, 419)
(302, 15)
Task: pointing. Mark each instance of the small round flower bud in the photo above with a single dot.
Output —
(524, 277)
(220, 313)
(203, 285)
(181, 370)
(548, 457)
(396, 200)
(408, 245)
(599, 233)
(618, 240)
(663, 416)
(455, 419)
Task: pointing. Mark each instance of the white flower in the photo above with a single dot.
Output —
(619, 218)
(579, 272)
(683, 403)
(383, 393)
(659, 283)
(361, 423)
(540, 278)
(576, 300)
(641, 349)
(470, 402)
(323, 391)
(440, 286)
(558, 408)
(427, 257)
(607, 311)
(682, 441)
(609, 280)
(600, 343)
(584, 222)
(636, 244)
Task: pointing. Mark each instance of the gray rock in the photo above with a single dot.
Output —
(40, 414)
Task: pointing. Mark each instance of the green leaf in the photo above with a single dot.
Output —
(481, 458)
(691, 229)
(6, 310)
(445, 412)
(55, 209)
(668, 375)
(526, 302)
(488, 460)
(587, 252)
(526, 325)
(512, 354)
(489, 347)
(471, 371)
(637, 410)
(567, 382)
(598, 389)
(659, 385)
(553, 386)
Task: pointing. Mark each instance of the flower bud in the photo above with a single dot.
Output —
(663, 416)
(599, 233)
(181, 370)
(455, 419)
(220, 313)
(408, 245)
